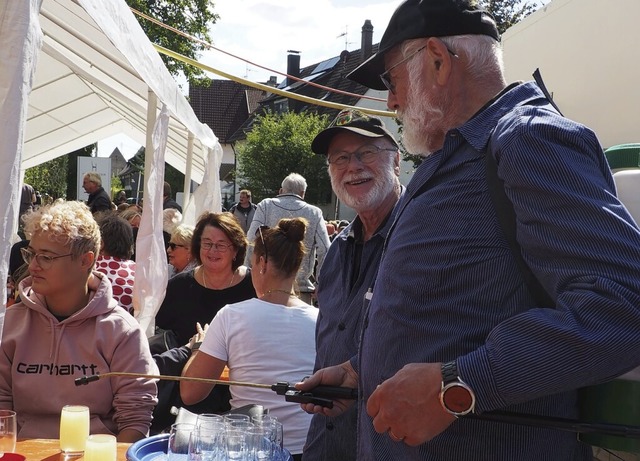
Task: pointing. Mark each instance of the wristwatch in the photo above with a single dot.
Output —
(456, 396)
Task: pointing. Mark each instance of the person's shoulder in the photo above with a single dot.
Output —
(182, 278)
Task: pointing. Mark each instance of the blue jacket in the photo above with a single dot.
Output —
(449, 288)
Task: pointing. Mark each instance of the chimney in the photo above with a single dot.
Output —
(367, 39)
(293, 65)
(273, 81)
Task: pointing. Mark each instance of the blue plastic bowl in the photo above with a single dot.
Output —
(155, 448)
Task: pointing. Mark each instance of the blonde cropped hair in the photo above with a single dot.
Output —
(69, 223)
(182, 235)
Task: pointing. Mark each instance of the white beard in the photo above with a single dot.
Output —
(384, 183)
(422, 120)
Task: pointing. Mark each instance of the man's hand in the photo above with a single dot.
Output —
(338, 375)
(407, 406)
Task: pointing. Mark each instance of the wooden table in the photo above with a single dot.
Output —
(49, 450)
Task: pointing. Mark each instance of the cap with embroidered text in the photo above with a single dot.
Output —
(424, 18)
(351, 120)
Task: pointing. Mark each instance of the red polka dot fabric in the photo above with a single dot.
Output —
(121, 272)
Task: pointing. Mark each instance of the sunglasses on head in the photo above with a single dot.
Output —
(264, 245)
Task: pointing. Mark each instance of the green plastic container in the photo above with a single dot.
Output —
(613, 402)
(623, 156)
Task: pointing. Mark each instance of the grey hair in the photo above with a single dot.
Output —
(482, 54)
(294, 184)
(94, 177)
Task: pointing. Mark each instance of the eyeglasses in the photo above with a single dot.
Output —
(220, 247)
(386, 75)
(264, 245)
(44, 261)
(173, 246)
(366, 154)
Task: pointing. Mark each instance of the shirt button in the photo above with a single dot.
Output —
(330, 426)
(341, 327)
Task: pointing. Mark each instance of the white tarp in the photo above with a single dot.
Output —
(150, 252)
(92, 78)
(18, 27)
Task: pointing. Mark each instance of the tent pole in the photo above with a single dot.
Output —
(187, 171)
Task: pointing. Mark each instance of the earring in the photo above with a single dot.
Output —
(234, 258)
(262, 271)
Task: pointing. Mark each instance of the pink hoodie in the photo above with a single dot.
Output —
(41, 357)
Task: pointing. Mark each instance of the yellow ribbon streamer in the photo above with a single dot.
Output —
(270, 89)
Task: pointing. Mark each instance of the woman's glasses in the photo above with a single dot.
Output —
(264, 245)
(173, 246)
(44, 261)
(220, 247)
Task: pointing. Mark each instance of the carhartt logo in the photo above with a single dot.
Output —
(56, 370)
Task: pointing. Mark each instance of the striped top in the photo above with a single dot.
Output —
(449, 288)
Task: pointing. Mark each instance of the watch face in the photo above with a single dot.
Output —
(457, 399)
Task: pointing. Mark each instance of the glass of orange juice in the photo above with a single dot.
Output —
(74, 428)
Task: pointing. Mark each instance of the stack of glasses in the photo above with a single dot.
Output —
(232, 437)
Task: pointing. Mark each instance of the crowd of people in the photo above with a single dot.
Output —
(438, 303)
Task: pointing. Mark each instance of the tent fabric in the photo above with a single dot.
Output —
(151, 257)
(79, 71)
(18, 26)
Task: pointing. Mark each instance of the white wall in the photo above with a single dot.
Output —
(588, 52)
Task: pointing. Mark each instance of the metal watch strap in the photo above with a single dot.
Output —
(449, 372)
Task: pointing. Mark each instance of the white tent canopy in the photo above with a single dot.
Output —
(587, 52)
(86, 88)
(77, 71)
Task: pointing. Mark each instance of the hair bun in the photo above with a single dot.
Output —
(293, 229)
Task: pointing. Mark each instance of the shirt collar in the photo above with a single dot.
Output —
(477, 129)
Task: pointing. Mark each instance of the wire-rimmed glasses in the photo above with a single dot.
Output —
(44, 261)
(366, 154)
(385, 77)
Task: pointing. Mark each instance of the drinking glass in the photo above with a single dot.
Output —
(258, 444)
(228, 419)
(206, 444)
(8, 430)
(240, 425)
(236, 445)
(277, 439)
(74, 428)
(263, 419)
(101, 447)
(178, 446)
(204, 420)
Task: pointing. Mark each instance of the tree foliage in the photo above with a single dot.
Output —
(174, 177)
(508, 12)
(49, 178)
(280, 144)
(193, 17)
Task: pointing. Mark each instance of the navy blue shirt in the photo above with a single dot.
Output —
(449, 288)
(350, 268)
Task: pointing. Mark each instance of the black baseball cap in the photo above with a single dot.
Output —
(351, 120)
(424, 18)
